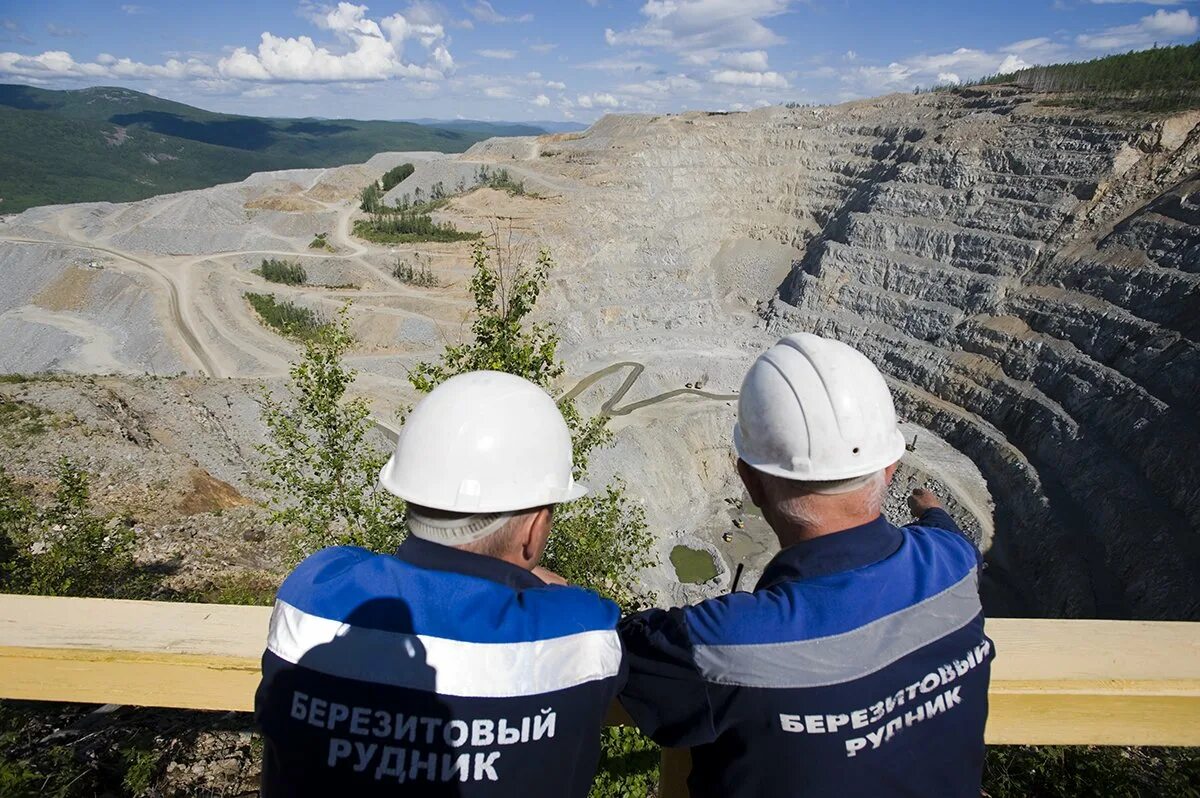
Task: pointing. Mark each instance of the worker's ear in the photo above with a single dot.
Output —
(890, 472)
(753, 482)
(534, 534)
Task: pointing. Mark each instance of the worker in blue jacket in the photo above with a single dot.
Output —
(449, 668)
(858, 665)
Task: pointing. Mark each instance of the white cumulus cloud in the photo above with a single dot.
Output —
(1160, 26)
(541, 101)
(484, 11)
(963, 63)
(762, 80)
(1141, 2)
(696, 26)
(59, 64)
(598, 100)
(365, 52)
(752, 61)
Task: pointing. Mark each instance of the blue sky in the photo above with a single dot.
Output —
(554, 59)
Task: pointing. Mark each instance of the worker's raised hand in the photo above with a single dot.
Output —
(921, 500)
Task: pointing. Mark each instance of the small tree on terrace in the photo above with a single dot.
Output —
(63, 548)
(323, 473)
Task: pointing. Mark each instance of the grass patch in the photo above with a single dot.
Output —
(286, 272)
(21, 420)
(321, 241)
(1017, 771)
(245, 588)
(408, 227)
(288, 318)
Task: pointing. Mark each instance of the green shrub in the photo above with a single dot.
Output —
(282, 271)
(140, 766)
(395, 176)
(407, 227)
(63, 548)
(371, 199)
(500, 180)
(628, 764)
(289, 318)
(320, 241)
(418, 274)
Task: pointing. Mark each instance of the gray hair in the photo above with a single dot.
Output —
(800, 503)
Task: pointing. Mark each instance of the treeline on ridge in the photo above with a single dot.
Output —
(1158, 79)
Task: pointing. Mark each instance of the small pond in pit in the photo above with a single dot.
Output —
(694, 566)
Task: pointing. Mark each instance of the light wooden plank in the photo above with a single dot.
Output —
(1064, 682)
(154, 626)
(1041, 650)
(1048, 717)
(92, 676)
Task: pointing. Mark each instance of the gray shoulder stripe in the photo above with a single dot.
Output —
(847, 656)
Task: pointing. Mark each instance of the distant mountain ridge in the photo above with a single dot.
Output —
(115, 144)
(532, 128)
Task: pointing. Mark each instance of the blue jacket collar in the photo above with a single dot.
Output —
(830, 554)
(436, 557)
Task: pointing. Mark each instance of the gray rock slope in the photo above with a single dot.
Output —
(1029, 278)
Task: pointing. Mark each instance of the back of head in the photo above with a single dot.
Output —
(479, 448)
(816, 419)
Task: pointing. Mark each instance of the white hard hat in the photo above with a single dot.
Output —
(483, 442)
(814, 409)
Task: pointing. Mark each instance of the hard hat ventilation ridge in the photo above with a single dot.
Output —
(455, 530)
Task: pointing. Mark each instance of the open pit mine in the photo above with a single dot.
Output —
(1027, 276)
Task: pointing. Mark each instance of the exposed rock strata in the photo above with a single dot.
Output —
(1030, 282)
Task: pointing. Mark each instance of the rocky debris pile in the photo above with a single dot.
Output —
(174, 459)
(82, 749)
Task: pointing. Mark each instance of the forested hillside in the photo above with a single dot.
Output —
(118, 145)
(1160, 79)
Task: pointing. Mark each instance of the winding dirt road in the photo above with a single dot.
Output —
(609, 407)
(203, 358)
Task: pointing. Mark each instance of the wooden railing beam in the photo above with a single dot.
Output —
(1053, 682)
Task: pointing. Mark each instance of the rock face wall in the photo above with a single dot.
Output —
(1030, 279)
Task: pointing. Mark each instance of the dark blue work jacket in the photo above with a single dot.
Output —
(433, 672)
(857, 667)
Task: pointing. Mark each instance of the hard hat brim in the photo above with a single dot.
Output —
(410, 493)
(892, 455)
